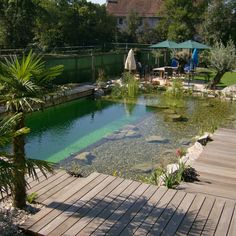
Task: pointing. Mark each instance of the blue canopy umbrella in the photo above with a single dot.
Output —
(195, 57)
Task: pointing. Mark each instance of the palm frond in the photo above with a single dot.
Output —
(32, 165)
(6, 177)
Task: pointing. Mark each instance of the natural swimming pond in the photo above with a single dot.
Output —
(131, 137)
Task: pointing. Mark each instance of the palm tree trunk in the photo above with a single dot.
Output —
(216, 79)
(19, 193)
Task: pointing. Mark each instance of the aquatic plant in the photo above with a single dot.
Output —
(176, 90)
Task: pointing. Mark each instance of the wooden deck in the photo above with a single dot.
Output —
(106, 205)
(216, 167)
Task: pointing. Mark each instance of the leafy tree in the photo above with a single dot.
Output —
(70, 23)
(23, 84)
(17, 18)
(130, 33)
(220, 21)
(222, 59)
(180, 19)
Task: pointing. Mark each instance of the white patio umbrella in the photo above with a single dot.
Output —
(130, 63)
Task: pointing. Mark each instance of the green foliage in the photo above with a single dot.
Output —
(54, 23)
(176, 90)
(102, 79)
(180, 19)
(17, 21)
(222, 59)
(23, 84)
(129, 89)
(31, 198)
(118, 91)
(220, 21)
(74, 170)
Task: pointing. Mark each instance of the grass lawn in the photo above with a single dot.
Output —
(228, 79)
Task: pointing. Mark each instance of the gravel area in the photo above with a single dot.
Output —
(11, 217)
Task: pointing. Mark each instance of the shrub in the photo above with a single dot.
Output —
(31, 198)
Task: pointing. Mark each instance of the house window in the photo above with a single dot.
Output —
(120, 21)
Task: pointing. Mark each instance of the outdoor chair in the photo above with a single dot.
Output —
(168, 72)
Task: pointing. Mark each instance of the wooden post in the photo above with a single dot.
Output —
(93, 67)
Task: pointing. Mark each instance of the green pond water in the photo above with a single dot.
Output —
(116, 133)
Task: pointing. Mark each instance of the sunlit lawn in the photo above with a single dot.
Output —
(228, 79)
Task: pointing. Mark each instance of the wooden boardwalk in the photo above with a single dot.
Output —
(106, 205)
(216, 167)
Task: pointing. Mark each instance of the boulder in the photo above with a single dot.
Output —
(132, 134)
(175, 118)
(157, 106)
(85, 158)
(156, 139)
(145, 167)
(203, 140)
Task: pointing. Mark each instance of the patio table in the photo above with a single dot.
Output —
(161, 70)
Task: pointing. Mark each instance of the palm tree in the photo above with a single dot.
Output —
(24, 83)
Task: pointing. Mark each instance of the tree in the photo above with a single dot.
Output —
(220, 21)
(130, 33)
(222, 59)
(17, 18)
(23, 84)
(70, 23)
(180, 19)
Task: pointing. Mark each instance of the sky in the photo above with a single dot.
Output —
(97, 1)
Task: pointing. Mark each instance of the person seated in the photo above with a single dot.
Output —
(174, 62)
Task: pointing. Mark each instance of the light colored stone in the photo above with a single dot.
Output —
(156, 139)
(85, 158)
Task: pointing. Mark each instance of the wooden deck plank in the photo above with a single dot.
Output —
(63, 196)
(190, 216)
(56, 188)
(120, 211)
(232, 228)
(218, 162)
(55, 216)
(145, 227)
(165, 217)
(48, 181)
(108, 211)
(225, 220)
(222, 171)
(132, 211)
(213, 219)
(70, 226)
(213, 190)
(144, 212)
(175, 221)
(51, 187)
(202, 217)
(87, 221)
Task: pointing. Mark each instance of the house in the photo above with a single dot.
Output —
(146, 10)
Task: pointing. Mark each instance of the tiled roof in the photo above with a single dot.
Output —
(145, 8)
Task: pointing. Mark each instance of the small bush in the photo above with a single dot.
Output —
(31, 198)
(74, 170)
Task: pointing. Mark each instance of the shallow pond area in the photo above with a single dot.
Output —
(130, 137)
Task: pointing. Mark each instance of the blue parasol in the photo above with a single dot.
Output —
(195, 57)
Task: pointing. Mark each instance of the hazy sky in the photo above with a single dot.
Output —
(98, 1)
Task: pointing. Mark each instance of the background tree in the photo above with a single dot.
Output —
(222, 59)
(23, 84)
(220, 21)
(130, 33)
(180, 19)
(17, 18)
